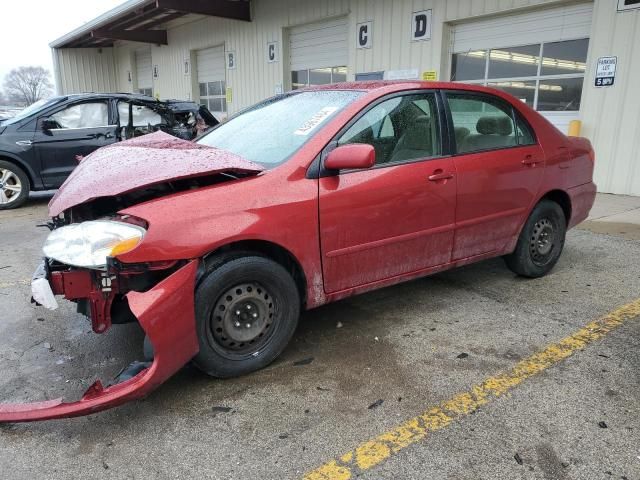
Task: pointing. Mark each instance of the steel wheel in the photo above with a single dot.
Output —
(542, 242)
(241, 319)
(10, 186)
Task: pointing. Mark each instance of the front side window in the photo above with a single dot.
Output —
(82, 115)
(546, 76)
(271, 131)
(400, 129)
(481, 123)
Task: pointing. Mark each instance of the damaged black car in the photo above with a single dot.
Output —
(40, 146)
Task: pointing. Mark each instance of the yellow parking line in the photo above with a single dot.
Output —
(373, 452)
(15, 284)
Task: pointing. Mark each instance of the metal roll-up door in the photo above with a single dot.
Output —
(212, 86)
(144, 71)
(539, 57)
(319, 52)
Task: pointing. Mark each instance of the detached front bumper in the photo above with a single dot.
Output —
(165, 313)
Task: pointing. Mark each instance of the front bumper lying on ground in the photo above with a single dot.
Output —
(166, 314)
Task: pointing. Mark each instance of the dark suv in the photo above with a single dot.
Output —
(41, 145)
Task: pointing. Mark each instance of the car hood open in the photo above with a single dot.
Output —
(141, 162)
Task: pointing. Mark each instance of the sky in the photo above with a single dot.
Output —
(27, 28)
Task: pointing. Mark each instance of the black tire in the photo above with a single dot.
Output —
(541, 241)
(15, 177)
(234, 293)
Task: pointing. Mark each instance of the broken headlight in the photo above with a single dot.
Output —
(88, 244)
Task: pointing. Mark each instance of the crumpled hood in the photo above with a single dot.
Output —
(141, 162)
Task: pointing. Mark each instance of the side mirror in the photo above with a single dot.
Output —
(354, 156)
(49, 124)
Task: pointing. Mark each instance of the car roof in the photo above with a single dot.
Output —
(399, 85)
(131, 96)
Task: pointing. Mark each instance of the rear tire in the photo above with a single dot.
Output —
(247, 310)
(14, 186)
(541, 241)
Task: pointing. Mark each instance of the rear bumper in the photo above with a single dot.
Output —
(582, 198)
(166, 314)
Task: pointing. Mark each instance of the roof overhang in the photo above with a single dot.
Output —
(142, 21)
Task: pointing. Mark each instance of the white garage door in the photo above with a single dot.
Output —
(539, 57)
(319, 53)
(143, 71)
(212, 80)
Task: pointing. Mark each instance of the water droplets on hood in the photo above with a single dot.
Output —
(143, 161)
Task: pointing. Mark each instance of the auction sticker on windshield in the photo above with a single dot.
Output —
(314, 121)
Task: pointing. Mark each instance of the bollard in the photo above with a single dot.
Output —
(574, 128)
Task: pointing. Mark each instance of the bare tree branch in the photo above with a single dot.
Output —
(27, 85)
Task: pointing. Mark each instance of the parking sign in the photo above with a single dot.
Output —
(606, 71)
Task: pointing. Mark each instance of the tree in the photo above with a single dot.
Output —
(27, 85)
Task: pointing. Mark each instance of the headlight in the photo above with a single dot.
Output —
(88, 244)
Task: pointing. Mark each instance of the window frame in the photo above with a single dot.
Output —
(443, 131)
(537, 78)
(110, 115)
(515, 115)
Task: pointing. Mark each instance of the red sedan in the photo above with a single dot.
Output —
(215, 247)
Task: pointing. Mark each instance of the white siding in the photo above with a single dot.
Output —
(611, 115)
(84, 70)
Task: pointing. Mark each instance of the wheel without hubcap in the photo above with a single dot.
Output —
(241, 319)
(541, 241)
(247, 310)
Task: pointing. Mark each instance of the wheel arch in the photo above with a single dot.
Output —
(268, 249)
(561, 198)
(22, 165)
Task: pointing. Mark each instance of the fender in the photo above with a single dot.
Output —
(35, 180)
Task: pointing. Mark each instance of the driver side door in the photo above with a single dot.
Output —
(78, 129)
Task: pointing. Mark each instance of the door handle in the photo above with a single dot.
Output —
(529, 160)
(24, 143)
(439, 175)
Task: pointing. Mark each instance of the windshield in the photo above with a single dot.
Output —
(31, 109)
(270, 132)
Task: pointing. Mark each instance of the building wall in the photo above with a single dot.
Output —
(84, 70)
(611, 116)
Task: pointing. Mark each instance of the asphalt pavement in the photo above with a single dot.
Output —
(356, 371)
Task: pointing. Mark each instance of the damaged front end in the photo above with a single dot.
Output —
(165, 312)
(82, 260)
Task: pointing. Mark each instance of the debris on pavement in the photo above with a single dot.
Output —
(376, 404)
(518, 458)
(304, 361)
(603, 425)
(463, 355)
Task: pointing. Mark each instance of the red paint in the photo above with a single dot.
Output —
(350, 233)
(355, 156)
(166, 314)
(151, 159)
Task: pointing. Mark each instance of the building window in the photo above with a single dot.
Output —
(318, 76)
(146, 91)
(546, 76)
(214, 96)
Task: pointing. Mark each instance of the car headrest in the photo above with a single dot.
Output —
(418, 135)
(495, 126)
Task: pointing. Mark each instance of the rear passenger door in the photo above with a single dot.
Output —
(499, 169)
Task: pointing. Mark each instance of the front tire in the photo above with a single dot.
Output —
(14, 186)
(247, 310)
(541, 241)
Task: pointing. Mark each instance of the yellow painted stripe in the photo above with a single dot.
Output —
(373, 452)
(14, 284)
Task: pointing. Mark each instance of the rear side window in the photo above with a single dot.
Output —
(141, 116)
(525, 134)
(481, 123)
